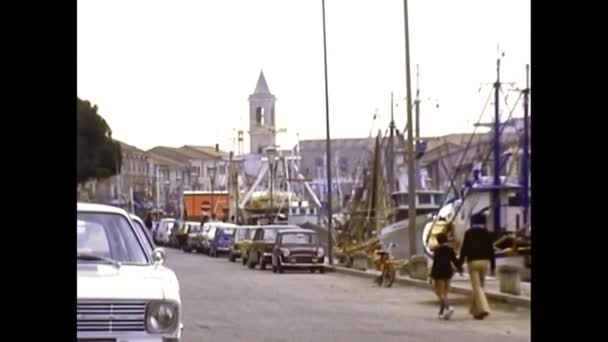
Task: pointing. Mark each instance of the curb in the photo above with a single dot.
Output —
(491, 295)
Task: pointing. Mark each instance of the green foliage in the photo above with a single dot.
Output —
(98, 155)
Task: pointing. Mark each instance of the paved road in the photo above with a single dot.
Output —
(227, 302)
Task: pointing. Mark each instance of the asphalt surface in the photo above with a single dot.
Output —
(224, 301)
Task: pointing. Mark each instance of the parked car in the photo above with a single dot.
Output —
(221, 239)
(260, 250)
(179, 233)
(163, 232)
(297, 249)
(194, 241)
(124, 293)
(242, 239)
(208, 234)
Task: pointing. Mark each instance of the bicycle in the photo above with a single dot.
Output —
(386, 265)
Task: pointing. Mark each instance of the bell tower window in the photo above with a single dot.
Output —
(259, 115)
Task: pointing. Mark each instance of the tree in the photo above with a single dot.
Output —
(98, 156)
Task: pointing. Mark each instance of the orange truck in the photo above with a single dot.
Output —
(198, 204)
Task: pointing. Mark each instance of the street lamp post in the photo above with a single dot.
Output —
(193, 180)
(410, 141)
(213, 170)
(167, 184)
(329, 208)
(180, 196)
(270, 152)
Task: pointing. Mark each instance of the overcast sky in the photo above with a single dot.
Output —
(180, 72)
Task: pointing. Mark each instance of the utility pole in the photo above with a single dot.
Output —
(213, 175)
(411, 181)
(417, 136)
(328, 143)
(496, 192)
(524, 171)
(230, 180)
(157, 192)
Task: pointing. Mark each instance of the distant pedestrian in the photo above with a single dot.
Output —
(442, 271)
(478, 251)
(148, 221)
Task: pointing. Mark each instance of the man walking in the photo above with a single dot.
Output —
(478, 251)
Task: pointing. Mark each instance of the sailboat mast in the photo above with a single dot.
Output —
(525, 158)
(410, 144)
(417, 104)
(391, 153)
(496, 192)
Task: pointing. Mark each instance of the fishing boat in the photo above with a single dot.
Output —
(504, 202)
(279, 193)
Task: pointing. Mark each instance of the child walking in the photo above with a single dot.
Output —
(444, 262)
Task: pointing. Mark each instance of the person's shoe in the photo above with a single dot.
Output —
(440, 315)
(448, 313)
(481, 315)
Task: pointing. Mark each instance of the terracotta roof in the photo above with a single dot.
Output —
(207, 150)
(161, 160)
(169, 153)
(128, 148)
(337, 143)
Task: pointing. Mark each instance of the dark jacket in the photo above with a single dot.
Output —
(477, 245)
(443, 258)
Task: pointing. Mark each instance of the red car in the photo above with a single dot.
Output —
(297, 249)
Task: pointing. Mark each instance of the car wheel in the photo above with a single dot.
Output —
(250, 264)
(262, 263)
(312, 270)
(231, 258)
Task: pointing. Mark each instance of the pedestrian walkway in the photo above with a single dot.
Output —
(460, 284)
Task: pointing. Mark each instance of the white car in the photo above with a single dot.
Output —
(124, 293)
(163, 231)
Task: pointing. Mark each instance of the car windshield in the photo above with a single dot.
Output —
(299, 238)
(241, 234)
(110, 236)
(227, 231)
(270, 235)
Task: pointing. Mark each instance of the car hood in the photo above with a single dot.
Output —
(101, 281)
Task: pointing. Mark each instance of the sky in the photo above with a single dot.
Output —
(179, 72)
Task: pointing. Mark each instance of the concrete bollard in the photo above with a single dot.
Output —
(509, 280)
(418, 267)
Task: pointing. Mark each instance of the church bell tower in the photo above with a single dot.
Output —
(261, 117)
